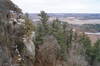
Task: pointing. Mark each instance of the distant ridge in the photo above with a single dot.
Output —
(83, 16)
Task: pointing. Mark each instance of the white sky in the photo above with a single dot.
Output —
(59, 6)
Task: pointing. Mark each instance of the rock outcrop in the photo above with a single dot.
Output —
(28, 41)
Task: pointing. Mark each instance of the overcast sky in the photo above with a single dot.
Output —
(59, 6)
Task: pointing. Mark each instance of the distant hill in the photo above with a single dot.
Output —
(82, 16)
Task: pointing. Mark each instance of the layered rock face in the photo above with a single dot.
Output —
(14, 51)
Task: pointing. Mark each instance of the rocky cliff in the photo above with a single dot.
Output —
(16, 48)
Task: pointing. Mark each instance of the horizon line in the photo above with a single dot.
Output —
(69, 12)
